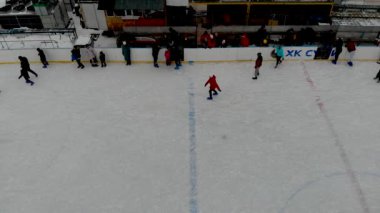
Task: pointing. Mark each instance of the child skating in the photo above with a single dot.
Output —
(213, 86)
(279, 55)
(102, 58)
(167, 57)
(258, 64)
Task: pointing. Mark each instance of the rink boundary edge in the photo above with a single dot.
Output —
(187, 62)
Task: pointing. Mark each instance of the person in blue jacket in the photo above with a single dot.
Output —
(279, 55)
(75, 56)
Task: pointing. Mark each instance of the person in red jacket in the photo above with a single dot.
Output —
(244, 40)
(204, 39)
(213, 86)
(350, 45)
(258, 64)
(211, 42)
(167, 57)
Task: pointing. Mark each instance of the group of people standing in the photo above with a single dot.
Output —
(76, 56)
(212, 40)
(351, 47)
(172, 53)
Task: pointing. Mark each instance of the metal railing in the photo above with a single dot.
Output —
(24, 43)
(15, 38)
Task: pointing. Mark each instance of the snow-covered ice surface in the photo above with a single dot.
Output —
(302, 138)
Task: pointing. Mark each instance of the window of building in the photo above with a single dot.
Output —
(119, 12)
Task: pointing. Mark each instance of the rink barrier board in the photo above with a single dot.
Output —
(194, 55)
(188, 62)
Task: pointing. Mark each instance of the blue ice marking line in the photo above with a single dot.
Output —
(192, 151)
(342, 151)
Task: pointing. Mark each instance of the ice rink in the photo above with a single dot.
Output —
(303, 138)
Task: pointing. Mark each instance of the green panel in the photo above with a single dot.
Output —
(139, 4)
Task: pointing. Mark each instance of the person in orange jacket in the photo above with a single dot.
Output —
(350, 45)
(213, 86)
(244, 40)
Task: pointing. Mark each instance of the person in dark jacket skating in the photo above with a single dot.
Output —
(213, 86)
(338, 49)
(176, 54)
(377, 77)
(102, 58)
(42, 58)
(155, 50)
(25, 68)
(75, 56)
(258, 64)
(126, 50)
(25, 74)
(25, 65)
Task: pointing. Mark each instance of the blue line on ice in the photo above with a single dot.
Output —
(192, 151)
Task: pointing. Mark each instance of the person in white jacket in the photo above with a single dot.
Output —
(92, 55)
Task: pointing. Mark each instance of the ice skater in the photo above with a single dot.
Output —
(213, 86)
(25, 74)
(279, 55)
(25, 68)
(258, 64)
(102, 58)
(167, 57)
(25, 65)
(42, 58)
(338, 49)
(155, 50)
(176, 54)
(75, 56)
(126, 50)
(350, 45)
(377, 77)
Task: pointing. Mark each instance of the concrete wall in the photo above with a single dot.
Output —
(197, 55)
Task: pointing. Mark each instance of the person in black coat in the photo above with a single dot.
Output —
(25, 65)
(42, 58)
(177, 57)
(377, 77)
(102, 58)
(75, 55)
(25, 74)
(25, 68)
(338, 49)
(155, 50)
